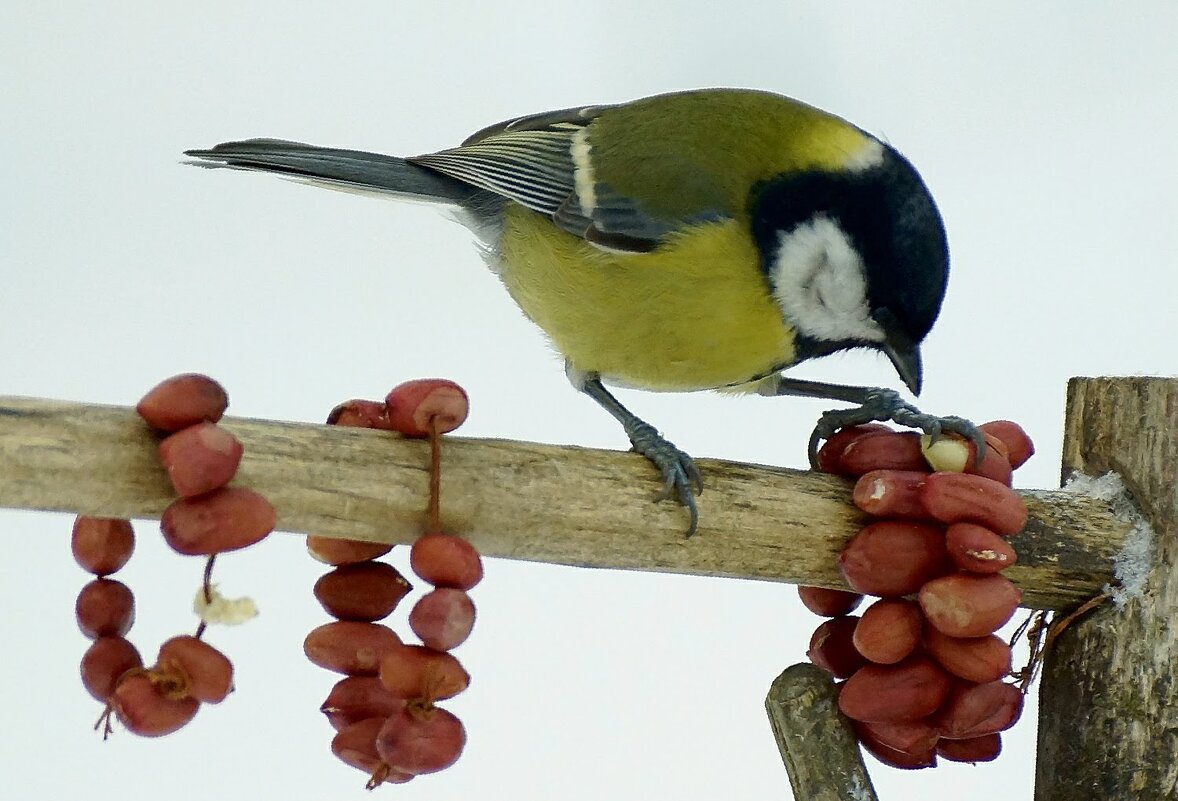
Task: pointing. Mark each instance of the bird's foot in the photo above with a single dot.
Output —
(887, 405)
(681, 478)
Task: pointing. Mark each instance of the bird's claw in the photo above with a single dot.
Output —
(681, 478)
(886, 405)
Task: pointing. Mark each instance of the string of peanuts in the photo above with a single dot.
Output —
(925, 674)
(384, 711)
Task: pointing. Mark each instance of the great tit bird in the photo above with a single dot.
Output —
(705, 239)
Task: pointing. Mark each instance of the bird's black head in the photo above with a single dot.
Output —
(854, 259)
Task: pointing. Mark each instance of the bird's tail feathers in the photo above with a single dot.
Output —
(348, 170)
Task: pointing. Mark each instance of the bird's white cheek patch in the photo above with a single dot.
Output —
(819, 284)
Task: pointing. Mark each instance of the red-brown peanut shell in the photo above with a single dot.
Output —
(414, 404)
(102, 545)
(351, 647)
(421, 743)
(888, 631)
(894, 758)
(206, 673)
(367, 591)
(911, 690)
(104, 662)
(907, 745)
(359, 413)
(975, 749)
(355, 745)
(336, 552)
(892, 558)
(443, 618)
(965, 498)
(183, 400)
(223, 520)
(977, 549)
(1019, 447)
(356, 698)
(832, 647)
(976, 659)
(828, 602)
(105, 608)
(446, 560)
(422, 674)
(968, 604)
(891, 493)
(995, 464)
(829, 456)
(885, 450)
(144, 710)
(200, 458)
(980, 709)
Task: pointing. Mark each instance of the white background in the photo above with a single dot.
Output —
(1047, 136)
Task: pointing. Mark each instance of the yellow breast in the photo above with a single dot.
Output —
(694, 314)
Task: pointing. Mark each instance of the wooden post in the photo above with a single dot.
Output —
(1108, 722)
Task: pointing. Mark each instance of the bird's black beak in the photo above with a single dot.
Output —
(901, 350)
(906, 359)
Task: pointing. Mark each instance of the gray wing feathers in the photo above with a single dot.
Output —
(530, 160)
(533, 168)
(345, 168)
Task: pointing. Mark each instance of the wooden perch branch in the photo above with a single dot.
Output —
(517, 500)
(817, 743)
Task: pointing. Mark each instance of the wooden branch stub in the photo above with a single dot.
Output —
(816, 742)
(1108, 719)
(518, 500)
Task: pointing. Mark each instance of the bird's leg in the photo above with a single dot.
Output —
(874, 403)
(680, 475)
